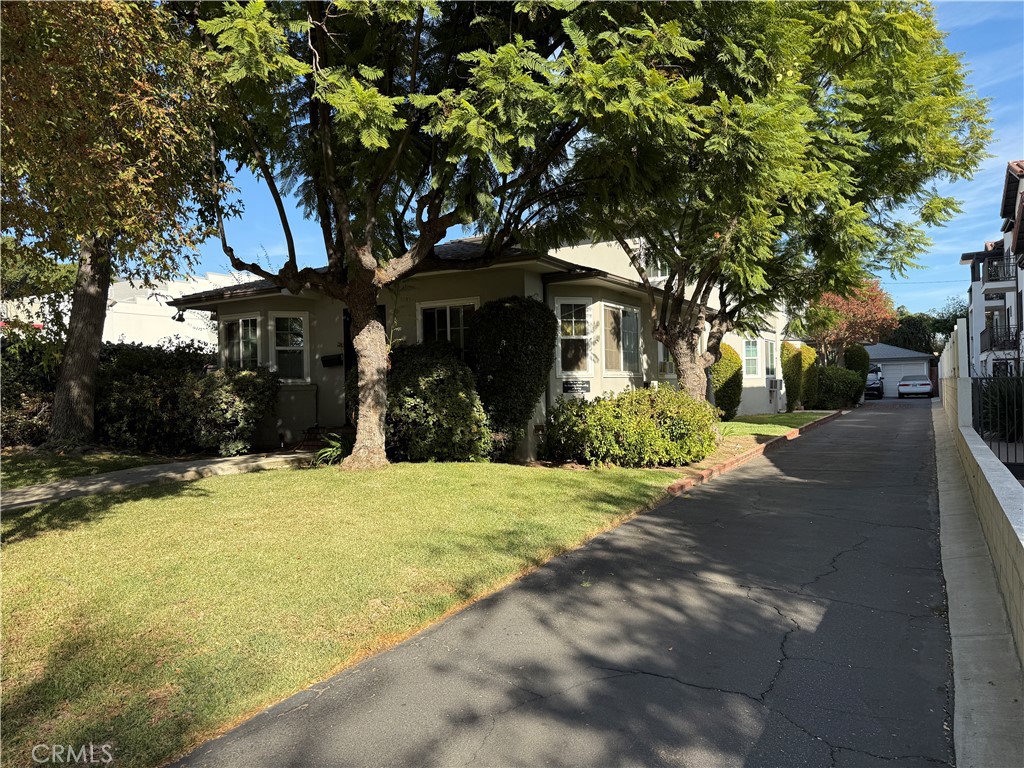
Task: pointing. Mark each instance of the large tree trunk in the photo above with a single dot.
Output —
(692, 365)
(371, 345)
(75, 397)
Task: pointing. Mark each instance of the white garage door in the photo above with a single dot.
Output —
(893, 372)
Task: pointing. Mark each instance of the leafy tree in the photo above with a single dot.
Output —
(104, 107)
(397, 121)
(818, 128)
(835, 322)
(944, 319)
(913, 332)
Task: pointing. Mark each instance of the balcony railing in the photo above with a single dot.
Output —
(997, 270)
(1000, 338)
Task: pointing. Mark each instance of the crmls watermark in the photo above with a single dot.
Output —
(66, 754)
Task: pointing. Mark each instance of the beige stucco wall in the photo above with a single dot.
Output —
(320, 400)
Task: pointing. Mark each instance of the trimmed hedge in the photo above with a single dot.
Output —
(809, 378)
(638, 428)
(512, 348)
(727, 382)
(792, 375)
(838, 388)
(191, 412)
(434, 412)
(857, 359)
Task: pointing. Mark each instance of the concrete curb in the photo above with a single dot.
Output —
(679, 486)
(152, 474)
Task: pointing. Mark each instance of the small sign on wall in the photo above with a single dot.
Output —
(575, 387)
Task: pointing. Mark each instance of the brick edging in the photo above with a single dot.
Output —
(679, 486)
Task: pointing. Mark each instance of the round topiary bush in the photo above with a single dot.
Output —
(433, 412)
(809, 377)
(512, 348)
(838, 387)
(792, 375)
(727, 382)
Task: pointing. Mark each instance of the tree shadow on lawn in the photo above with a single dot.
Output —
(88, 692)
(28, 522)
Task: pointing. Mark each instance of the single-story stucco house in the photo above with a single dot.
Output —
(590, 288)
(897, 362)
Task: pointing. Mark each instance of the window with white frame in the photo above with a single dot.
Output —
(290, 351)
(750, 357)
(621, 339)
(665, 365)
(446, 322)
(657, 269)
(241, 342)
(769, 357)
(573, 337)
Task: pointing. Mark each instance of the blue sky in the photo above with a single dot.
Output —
(990, 37)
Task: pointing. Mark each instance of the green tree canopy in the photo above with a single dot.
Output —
(809, 162)
(397, 121)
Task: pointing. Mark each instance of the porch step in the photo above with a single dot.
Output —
(313, 437)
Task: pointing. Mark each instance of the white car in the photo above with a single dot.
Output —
(914, 385)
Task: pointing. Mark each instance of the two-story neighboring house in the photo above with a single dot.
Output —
(604, 342)
(996, 295)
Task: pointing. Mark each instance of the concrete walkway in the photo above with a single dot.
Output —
(790, 613)
(152, 474)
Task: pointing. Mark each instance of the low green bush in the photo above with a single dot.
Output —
(809, 377)
(433, 411)
(638, 428)
(727, 382)
(838, 388)
(792, 375)
(160, 399)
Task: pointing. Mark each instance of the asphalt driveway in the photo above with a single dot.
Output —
(789, 613)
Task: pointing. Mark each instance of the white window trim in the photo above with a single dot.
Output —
(272, 331)
(775, 358)
(623, 373)
(589, 372)
(421, 305)
(756, 358)
(222, 340)
(670, 370)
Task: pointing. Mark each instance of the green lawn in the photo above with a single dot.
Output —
(769, 424)
(18, 469)
(151, 619)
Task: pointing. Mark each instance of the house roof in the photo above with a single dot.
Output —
(883, 352)
(1014, 174)
(451, 255)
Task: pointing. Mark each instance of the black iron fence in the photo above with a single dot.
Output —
(997, 413)
(1000, 337)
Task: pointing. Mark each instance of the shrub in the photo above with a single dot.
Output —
(792, 375)
(809, 377)
(638, 428)
(158, 398)
(224, 408)
(512, 349)
(28, 373)
(857, 359)
(433, 412)
(838, 387)
(727, 382)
